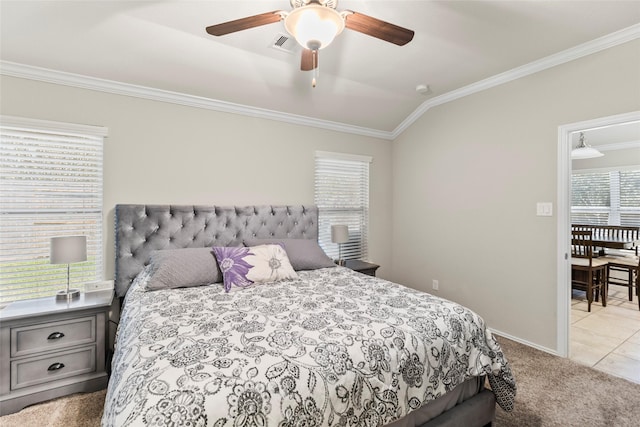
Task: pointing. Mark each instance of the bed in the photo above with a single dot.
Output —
(325, 346)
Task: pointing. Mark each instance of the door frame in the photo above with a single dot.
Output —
(564, 219)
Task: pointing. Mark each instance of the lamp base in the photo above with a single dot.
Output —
(68, 295)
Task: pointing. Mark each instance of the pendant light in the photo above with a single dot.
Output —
(584, 151)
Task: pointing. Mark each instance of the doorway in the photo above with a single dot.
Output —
(564, 219)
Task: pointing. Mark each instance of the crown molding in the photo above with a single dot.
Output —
(13, 69)
(605, 42)
(46, 75)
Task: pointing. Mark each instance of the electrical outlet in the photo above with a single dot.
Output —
(98, 286)
(436, 285)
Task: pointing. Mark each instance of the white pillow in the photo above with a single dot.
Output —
(242, 266)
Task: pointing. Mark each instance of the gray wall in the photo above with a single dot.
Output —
(453, 198)
(474, 170)
(165, 153)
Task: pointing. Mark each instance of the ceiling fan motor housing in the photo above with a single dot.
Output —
(328, 3)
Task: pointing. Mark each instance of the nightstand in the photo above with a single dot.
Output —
(50, 349)
(362, 266)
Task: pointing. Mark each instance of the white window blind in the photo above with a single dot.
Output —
(630, 198)
(50, 186)
(342, 197)
(606, 197)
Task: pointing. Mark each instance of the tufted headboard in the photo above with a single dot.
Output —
(142, 229)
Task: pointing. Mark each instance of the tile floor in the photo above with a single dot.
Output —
(607, 338)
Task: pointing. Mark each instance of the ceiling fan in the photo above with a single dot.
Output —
(314, 24)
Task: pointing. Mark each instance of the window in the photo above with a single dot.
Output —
(50, 186)
(342, 197)
(606, 197)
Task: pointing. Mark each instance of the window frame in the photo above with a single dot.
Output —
(615, 212)
(81, 147)
(337, 212)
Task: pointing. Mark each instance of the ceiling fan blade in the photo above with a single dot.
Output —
(244, 23)
(379, 29)
(308, 62)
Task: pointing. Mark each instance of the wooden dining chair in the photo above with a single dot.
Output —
(627, 267)
(588, 273)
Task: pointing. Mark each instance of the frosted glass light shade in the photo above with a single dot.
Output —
(339, 233)
(584, 150)
(314, 26)
(67, 250)
(585, 153)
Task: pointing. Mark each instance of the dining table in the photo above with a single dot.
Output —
(615, 243)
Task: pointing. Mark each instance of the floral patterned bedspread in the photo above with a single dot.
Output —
(331, 348)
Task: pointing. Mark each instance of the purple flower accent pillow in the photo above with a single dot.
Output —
(242, 267)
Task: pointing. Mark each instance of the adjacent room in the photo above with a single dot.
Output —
(319, 212)
(605, 199)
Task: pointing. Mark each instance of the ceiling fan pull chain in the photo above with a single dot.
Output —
(314, 80)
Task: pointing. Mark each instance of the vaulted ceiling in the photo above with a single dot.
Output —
(363, 82)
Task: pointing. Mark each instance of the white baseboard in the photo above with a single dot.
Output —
(525, 342)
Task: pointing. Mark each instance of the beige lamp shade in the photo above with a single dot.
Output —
(339, 233)
(67, 250)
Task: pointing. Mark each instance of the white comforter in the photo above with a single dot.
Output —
(331, 348)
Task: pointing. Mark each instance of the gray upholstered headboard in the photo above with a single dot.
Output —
(142, 229)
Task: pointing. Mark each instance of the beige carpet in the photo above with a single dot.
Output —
(77, 410)
(551, 392)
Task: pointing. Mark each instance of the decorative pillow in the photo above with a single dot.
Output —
(179, 268)
(304, 254)
(241, 267)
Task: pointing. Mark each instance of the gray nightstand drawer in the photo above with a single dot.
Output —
(50, 349)
(52, 336)
(52, 367)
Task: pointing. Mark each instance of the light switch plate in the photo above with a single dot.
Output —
(544, 209)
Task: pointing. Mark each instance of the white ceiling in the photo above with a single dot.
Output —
(620, 136)
(363, 81)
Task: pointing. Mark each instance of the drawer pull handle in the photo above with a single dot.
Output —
(55, 336)
(55, 366)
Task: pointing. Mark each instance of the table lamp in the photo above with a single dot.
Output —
(67, 250)
(340, 235)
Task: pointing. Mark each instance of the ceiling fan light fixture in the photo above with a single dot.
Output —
(314, 26)
(584, 151)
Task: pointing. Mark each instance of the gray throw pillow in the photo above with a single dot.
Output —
(180, 268)
(304, 254)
